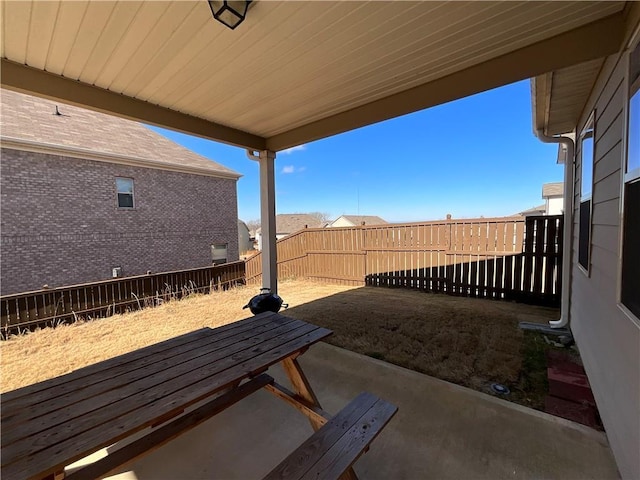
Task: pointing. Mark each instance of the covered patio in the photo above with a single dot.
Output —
(292, 73)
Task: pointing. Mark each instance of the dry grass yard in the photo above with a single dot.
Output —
(470, 342)
(51, 352)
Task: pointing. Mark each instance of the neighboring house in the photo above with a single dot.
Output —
(86, 196)
(599, 102)
(553, 198)
(552, 193)
(534, 211)
(356, 220)
(245, 241)
(288, 223)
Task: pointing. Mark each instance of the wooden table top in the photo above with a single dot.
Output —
(51, 424)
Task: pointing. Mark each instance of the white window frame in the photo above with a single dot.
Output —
(221, 246)
(118, 192)
(628, 175)
(588, 131)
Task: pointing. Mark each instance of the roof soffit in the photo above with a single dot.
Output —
(560, 97)
(381, 70)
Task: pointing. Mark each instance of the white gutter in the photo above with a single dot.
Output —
(569, 164)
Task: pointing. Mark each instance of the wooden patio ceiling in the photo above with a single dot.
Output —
(293, 72)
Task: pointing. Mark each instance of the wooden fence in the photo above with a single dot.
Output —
(512, 258)
(100, 299)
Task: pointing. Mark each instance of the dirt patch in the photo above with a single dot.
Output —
(471, 342)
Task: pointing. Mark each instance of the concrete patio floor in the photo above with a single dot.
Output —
(441, 431)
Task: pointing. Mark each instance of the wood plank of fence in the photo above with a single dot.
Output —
(550, 251)
(559, 256)
(538, 255)
(524, 263)
(499, 277)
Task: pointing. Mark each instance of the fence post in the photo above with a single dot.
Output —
(362, 238)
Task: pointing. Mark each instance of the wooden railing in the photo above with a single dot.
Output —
(100, 299)
(509, 258)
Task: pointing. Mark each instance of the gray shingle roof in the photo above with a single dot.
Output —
(552, 189)
(287, 223)
(539, 210)
(32, 120)
(292, 222)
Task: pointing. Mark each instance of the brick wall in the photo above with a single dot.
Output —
(60, 223)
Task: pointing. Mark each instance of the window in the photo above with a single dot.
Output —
(586, 184)
(219, 253)
(633, 145)
(630, 284)
(124, 187)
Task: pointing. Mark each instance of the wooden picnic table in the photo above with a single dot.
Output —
(51, 424)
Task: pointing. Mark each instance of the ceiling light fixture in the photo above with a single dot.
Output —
(230, 13)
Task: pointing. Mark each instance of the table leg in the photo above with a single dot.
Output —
(349, 475)
(302, 387)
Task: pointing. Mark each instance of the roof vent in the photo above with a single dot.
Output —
(57, 112)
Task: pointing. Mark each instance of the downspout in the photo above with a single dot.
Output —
(569, 164)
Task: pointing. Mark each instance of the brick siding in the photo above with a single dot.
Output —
(60, 223)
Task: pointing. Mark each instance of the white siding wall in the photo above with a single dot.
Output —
(342, 222)
(555, 206)
(245, 244)
(259, 239)
(609, 340)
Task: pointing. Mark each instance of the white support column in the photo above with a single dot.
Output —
(266, 159)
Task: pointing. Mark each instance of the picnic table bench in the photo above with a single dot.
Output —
(49, 425)
(331, 451)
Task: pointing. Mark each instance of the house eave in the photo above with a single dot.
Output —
(33, 81)
(559, 96)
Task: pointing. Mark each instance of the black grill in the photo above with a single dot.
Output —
(265, 301)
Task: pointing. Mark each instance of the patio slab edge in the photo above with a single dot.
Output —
(594, 434)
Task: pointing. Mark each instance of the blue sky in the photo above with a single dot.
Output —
(473, 157)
